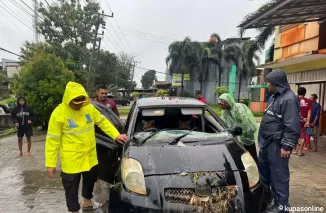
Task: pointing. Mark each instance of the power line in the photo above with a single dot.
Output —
(32, 10)
(113, 42)
(9, 52)
(21, 8)
(118, 25)
(143, 35)
(147, 34)
(14, 16)
(144, 38)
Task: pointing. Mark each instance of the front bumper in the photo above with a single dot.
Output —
(121, 200)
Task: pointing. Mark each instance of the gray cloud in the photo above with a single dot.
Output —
(173, 19)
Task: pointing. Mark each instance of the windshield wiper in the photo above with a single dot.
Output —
(155, 133)
(176, 140)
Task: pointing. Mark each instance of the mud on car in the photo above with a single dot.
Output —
(188, 160)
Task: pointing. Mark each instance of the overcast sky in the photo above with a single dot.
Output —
(165, 20)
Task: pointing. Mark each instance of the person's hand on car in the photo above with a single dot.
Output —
(51, 172)
(122, 138)
(17, 124)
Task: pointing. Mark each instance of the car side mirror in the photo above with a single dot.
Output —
(235, 130)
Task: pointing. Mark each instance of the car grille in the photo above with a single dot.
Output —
(182, 196)
(220, 196)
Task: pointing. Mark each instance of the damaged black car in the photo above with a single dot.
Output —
(180, 157)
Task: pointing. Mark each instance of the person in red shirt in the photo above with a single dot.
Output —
(102, 93)
(199, 96)
(305, 116)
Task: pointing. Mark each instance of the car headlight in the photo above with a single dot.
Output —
(133, 176)
(251, 169)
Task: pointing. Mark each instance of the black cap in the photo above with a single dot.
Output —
(198, 92)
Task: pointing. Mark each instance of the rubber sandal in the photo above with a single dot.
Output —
(19, 154)
(305, 149)
(28, 154)
(301, 154)
(294, 153)
(95, 206)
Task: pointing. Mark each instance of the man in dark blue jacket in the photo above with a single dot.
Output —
(278, 133)
(23, 117)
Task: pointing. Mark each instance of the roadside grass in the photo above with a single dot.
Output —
(7, 132)
(124, 112)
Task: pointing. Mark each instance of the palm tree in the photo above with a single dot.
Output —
(217, 53)
(240, 52)
(183, 55)
(264, 33)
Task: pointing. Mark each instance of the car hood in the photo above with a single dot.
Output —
(199, 158)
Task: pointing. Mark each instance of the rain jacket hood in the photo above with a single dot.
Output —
(240, 115)
(21, 114)
(73, 132)
(228, 99)
(74, 90)
(19, 98)
(278, 79)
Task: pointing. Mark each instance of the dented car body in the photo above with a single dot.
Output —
(166, 168)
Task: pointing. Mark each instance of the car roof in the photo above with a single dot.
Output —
(169, 101)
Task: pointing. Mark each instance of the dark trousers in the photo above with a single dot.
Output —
(71, 182)
(274, 172)
(252, 150)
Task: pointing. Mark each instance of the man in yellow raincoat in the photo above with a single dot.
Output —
(71, 128)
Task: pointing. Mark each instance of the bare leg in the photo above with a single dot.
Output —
(20, 146)
(29, 145)
(302, 143)
(294, 150)
(315, 144)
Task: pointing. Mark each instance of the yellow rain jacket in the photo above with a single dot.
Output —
(73, 131)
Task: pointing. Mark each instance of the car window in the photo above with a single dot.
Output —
(211, 123)
(169, 118)
(129, 117)
(168, 136)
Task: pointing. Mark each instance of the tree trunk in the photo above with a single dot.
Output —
(240, 81)
(182, 85)
(219, 76)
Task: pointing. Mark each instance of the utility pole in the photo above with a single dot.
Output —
(35, 20)
(133, 70)
(90, 68)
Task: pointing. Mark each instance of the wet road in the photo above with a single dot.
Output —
(25, 187)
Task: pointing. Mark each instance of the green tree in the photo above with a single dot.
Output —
(162, 93)
(42, 81)
(148, 78)
(68, 28)
(220, 90)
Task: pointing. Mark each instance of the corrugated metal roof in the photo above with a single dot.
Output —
(284, 12)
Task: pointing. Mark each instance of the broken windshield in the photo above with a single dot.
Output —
(169, 135)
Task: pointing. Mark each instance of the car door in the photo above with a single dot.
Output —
(108, 151)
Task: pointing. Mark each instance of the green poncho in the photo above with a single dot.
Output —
(240, 115)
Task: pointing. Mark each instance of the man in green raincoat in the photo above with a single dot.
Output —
(240, 115)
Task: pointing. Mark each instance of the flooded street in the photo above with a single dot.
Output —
(25, 186)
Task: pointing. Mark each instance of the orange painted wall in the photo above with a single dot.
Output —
(293, 36)
(258, 106)
(296, 39)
